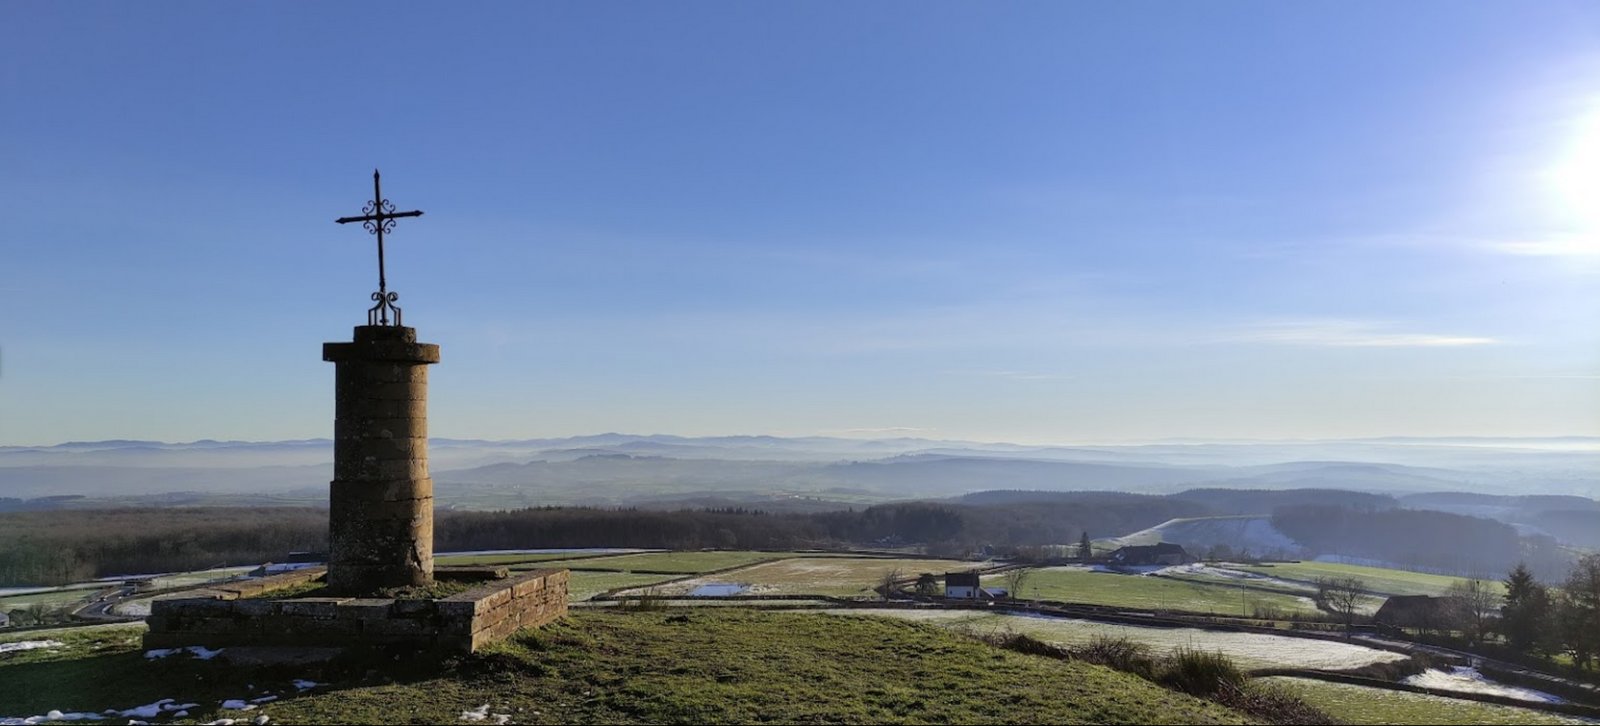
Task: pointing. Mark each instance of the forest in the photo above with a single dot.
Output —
(59, 546)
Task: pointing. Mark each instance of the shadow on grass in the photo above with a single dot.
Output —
(127, 680)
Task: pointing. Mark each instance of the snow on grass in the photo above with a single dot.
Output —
(481, 713)
(305, 685)
(1469, 680)
(1365, 705)
(165, 707)
(200, 652)
(29, 645)
(237, 704)
(1250, 650)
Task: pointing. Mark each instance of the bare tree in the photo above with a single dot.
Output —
(1015, 579)
(1341, 596)
(1473, 603)
(889, 582)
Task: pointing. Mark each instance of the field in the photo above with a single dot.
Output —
(1083, 585)
(1362, 705)
(1377, 579)
(1250, 650)
(50, 598)
(683, 563)
(681, 666)
(514, 558)
(1234, 576)
(839, 576)
(584, 585)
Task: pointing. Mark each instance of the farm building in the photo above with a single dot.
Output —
(1162, 553)
(1421, 612)
(967, 586)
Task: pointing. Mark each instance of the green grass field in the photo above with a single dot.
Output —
(679, 666)
(1362, 705)
(1081, 585)
(684, 563)
(1366, 604)
(505, 558)
(839, 576)
(1377, 579)
(584, 585)
(53, 598)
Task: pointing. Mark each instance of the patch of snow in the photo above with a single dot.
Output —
(50, 716)
(264, 699)
(236, 704)
(261, 720)
(199, 652)
(220, 722)
(481, 713)
(29, 645)
(166, 706)
(149, 710)
(1469, 680)
(304, 684)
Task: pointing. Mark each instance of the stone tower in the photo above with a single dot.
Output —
(380, 519)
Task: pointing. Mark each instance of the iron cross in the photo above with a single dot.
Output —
(378, 216)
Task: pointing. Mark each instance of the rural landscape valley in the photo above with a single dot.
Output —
(683, 539)
(784, 362)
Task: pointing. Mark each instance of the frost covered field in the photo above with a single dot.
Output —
(1359, 704)
(1250, 650)
(1469, 680)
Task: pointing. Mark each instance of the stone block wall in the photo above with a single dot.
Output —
(461, 623)
(380, 506)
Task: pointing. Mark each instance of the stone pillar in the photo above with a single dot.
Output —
(380, 518)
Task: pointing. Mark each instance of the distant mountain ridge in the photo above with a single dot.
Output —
(617, 468)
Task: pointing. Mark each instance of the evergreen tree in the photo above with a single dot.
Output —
(1526, 615)
(1084, 550)
(1579, 613)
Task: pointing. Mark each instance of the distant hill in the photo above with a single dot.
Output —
(1252, 535)
(615, 468)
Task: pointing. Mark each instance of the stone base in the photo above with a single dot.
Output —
(462, 623)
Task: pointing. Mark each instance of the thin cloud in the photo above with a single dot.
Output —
(1010, 375)
(1352, 334)
(1582, 247)
(889, 430)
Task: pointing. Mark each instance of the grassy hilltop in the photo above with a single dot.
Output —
(675, 666)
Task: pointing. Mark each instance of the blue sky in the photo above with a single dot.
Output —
(1035, 222)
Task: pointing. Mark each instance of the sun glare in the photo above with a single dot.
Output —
(1575, 179)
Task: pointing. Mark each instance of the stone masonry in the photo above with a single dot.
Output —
(380, 519)
(461, 623)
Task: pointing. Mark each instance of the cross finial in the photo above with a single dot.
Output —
(378, 217)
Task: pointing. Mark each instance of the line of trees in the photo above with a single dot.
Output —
(1539, 620)
(60, 546)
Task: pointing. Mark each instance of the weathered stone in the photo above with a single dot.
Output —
(191, 606)
(365, 608)
(467, 573)
(413, 608)
(312, 607)
(255, 607)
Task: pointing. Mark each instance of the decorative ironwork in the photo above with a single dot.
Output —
(378, 217)
(379, 314)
